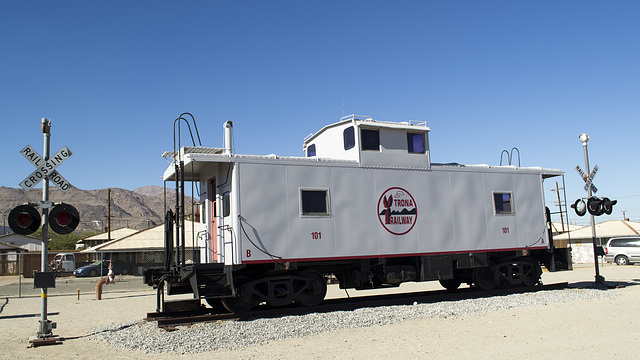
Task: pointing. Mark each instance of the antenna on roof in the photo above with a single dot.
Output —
(343, 107)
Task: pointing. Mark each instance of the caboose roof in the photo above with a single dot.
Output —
(195, 162)
(197, 159)
(367, 121)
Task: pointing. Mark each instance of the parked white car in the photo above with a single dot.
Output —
(623, 250)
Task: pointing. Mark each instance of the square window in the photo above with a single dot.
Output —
(503, 203)
(314, 202)
(370, 139)
(415, 143)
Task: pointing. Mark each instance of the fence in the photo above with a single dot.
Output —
(16, 278)
(26, 264)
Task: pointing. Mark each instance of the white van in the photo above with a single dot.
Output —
(623, 250)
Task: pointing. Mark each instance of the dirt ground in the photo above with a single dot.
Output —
(580, 329)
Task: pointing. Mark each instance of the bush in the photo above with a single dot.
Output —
(64, 242)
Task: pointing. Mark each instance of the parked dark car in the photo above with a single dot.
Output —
(93, 269)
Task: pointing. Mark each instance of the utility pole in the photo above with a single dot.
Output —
(109, 214)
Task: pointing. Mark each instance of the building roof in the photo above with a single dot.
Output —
(5, 246)
(151, 239)
(25, 242)
(558, 228)
(115, 234)
(607, 229)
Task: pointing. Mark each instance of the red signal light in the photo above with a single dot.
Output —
(63, 218)
(24, 219)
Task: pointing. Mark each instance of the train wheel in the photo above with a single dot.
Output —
(485, 279)
(532, 274)
(244, 299)
(450, 284)
(316, 289)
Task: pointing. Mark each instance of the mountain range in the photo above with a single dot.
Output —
(137, 209)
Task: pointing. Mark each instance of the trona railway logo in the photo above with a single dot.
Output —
(397, 211)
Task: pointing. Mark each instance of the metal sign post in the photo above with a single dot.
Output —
(45, 334)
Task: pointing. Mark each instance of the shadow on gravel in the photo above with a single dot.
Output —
(610, 284)
(412, 298)
(98, 332)
(25, 316)
(124, 296)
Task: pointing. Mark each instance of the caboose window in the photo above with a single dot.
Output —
(349, 137)
(415, 143)
(370, 139)
(311, 150)
(226, 204)
(314, 202)
(503, 203)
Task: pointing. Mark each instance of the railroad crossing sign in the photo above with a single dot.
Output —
(588, 179)
(45, 168)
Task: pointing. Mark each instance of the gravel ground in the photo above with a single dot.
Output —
(563, 324)
(147, 338)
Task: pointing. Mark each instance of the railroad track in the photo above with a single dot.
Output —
(169, 321)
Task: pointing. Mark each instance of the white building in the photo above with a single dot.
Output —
(27, 243)
(581, 239)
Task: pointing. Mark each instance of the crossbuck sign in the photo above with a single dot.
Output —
(588, 180)
(45, 168)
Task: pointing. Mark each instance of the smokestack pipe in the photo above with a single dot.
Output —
(228, 137)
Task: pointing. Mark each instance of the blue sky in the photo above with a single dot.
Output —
(485, 75)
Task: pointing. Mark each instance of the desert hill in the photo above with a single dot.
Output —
(138, 209)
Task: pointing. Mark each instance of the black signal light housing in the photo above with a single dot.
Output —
(24, 219)
(63, 218)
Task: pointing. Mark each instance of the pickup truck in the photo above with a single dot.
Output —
(65, 262)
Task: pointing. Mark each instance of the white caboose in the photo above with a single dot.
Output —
(365, 205)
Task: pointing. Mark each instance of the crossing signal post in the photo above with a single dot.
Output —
(594, 205)
(63, 219)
